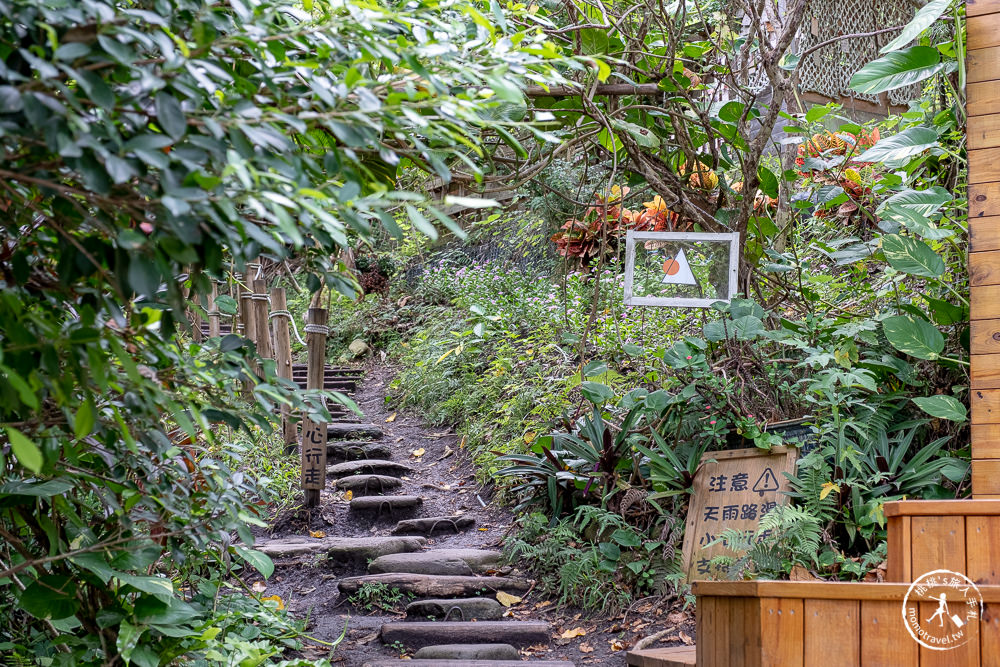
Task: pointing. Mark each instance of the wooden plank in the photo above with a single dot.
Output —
(989, 632)
(985, 445)
(982, 131)
(781, 638)
(818, 590)
(986, 476)
(944, 507)
(983, 32)
(743, 631)
(265, 348)
(984, 336)
(985, 302)
(982, 551)
(832, 649)
(980, 7)
(985, 406)
(884, 639)
(710, 629)
(984, 198)
(984, 268)
(984, 164)
(983, 65)
(982, 100)
(898, 557)
(938, 542)
(966, 655)
(985, 371)
(675, 656)
(984, 233)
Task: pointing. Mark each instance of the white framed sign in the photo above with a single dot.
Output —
(680, 269)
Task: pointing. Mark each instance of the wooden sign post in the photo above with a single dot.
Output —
(732, 489)
(283, 358)
(314, 434)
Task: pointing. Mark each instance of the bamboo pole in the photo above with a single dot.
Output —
(314, 433)
(214, 326)
(283, 357)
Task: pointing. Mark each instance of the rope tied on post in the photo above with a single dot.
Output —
(288, 314)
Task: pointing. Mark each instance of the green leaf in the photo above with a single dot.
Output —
(610, 550)
(915, 337)
(143, 277)
(596, 393)
(52, 487)
(27, 452)
(153, 585)
(625, 538)
(922, 20)
(900, 146)
(912, 256)
(768, 181)
(169, 115)
(83, 425)
(942, 407)
(50, 597)
(642, 136)
(226, 304)
(897, 70)
(258, 560)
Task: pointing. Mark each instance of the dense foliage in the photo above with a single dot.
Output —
(148, 149)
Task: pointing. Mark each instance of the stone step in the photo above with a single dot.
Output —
(353, 450)
(467, 652)
(367, 467)
(439, 586)
(447, 565)
(340, 431)
(417, 634)
(461, 609)
(479, 560)
(385, 505)
(466, 663)
(434, 524)
(361, 485)
(350, 549)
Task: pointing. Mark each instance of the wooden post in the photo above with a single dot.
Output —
(314, 433)
(983, 90)
(259, 300)
(239, 320)
(247, 308)
(283, 358)
(214, 326)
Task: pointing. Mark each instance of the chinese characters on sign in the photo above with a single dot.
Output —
(313, 454)
(732, 489)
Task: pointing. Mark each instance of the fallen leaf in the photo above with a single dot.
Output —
(529, 437)
(418, 452)
(258, 587)
(391, 418)
(348, 495)
(448, 451)
(275, 598)
(461, 444)
(586, 648)
(483, 530)
(616, 645)
(800, 573)
(506, 599)
(543, 603)
(575, 632)
(319, 533)
(685, 638)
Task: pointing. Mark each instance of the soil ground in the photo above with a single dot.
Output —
(444, 478)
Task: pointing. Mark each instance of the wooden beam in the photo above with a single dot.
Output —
(984, 338)
(985, 302)
(983, 65)
(981, 97)
(986, 441)
(984, 198)
(980, 7)
(984, 164)
(985, 477)
(985, 406)
(985, 371)
(983, 32)
(984, 268)
(984, 233)
(984, 131)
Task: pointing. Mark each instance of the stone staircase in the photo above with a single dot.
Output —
(454, 618)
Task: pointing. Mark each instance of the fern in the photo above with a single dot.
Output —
(786, 536)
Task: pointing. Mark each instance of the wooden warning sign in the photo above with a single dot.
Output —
(732, 489)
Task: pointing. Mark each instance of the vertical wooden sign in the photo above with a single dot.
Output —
(314, 434)
(983, 106)
(732, 489)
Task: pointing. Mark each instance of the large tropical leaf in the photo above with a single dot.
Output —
(898, 69)
(915, 337)
(909, 255)
(900, 146)
(923, 19)
(943, 407)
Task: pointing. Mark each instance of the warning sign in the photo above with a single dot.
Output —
(732, 489)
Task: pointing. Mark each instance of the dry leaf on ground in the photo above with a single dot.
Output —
(418, 452)
(586, 648)
(258, 587)
(275, 598)
(506, 599)
(685, 638)
(575, 632)
(391, 418)
(317, 533)
(616, 645)
(348, 495)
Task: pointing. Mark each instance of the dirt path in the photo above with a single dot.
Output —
(318, 570)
